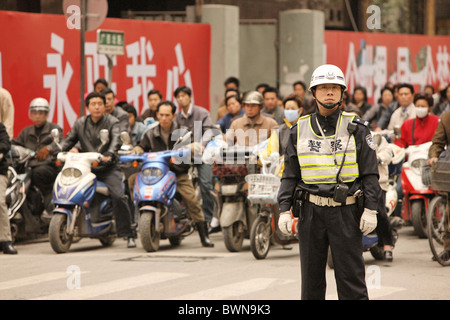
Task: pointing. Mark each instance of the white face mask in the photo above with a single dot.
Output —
(421, 112)
(291, 115)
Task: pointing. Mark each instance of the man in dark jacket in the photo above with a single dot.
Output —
(5, 228)
(197, 120)
(86, 131)
(37, 137)
(162, 137)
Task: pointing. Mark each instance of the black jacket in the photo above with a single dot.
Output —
(87, 133)
(36, 140)
(152, 141)
(366, 158)
(5, 146)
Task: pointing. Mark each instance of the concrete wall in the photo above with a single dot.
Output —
(301, 46)
(258, 55)
(224, 21)
(249, 51)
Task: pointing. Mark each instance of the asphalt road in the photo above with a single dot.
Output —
(190, 272)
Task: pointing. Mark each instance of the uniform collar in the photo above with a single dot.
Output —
(329, 121)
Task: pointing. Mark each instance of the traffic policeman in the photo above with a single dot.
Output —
(331, 182)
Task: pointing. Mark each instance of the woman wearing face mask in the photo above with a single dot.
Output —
(293, 109)
(422, 128)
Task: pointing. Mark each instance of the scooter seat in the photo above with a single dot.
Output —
(102, 188)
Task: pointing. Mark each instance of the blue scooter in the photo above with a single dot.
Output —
(160, 213)
(83, 206)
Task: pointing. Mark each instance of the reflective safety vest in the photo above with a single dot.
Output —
(317, 162)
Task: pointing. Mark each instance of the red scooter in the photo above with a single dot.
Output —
(416, 194)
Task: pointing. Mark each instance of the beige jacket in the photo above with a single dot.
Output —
(7, 111)
(400, 115)
(245, 132)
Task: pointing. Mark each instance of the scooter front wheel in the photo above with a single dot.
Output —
(260, 235)
(233, 236)
(60, 240)
(148, 233)
(418, 218)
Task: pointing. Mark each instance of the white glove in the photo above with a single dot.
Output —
(285, 223)
(368, 221)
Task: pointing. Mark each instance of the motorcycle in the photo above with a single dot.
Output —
(161, 215)
(25, 202)
(230, 167)
(263, 191)
(417, 195)
(83, 206)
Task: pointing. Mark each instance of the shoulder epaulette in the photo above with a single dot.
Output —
(360, 121)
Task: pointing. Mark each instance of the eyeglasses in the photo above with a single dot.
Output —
(326, 88)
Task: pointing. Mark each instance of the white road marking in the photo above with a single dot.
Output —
(92, 291)
(44, 277)
(234, 289)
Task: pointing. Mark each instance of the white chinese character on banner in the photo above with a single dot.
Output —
(140, 52)
(173, 76)
(58, 84)
(443, 60)
(94, 63)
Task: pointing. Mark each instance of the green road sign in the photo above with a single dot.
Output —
(110, 42)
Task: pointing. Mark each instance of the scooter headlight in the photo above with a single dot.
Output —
(70, 176)
(416, 166)
(151, 175)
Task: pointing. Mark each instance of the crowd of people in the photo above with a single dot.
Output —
(256, 113)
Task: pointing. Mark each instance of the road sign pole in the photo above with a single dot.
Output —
(110, 67)
(83, 6)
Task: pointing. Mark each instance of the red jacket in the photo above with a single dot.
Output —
(424, 130)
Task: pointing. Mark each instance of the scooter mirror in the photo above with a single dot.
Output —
(125, 137)
(55, 135)
(397, 131)
(183, 138)
(104, 136)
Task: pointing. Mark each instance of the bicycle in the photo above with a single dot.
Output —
(263, 191)
(436, 228)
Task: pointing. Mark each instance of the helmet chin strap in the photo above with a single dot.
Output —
(329, 106)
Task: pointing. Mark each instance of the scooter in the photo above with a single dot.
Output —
(230, 167)
(262, 192)
(417, 195)
(160, 213)
(25, 216)
(83, 206)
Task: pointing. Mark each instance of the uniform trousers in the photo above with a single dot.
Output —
(337, 227)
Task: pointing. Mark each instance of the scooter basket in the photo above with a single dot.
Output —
(440, 176)
(263, 188)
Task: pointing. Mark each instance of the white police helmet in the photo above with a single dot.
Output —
(326, 74)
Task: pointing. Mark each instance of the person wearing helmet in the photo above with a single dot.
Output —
(330, 161)
(255, 126)
(38, 138)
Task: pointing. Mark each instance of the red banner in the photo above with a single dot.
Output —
(372, 59)
(40, 57)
